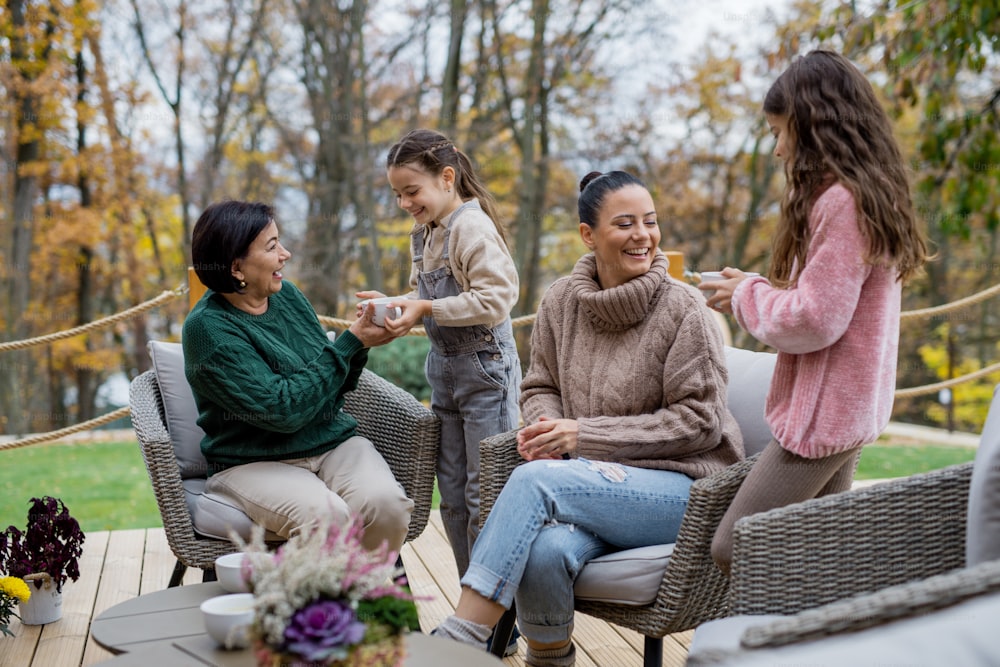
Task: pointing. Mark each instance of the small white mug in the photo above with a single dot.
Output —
(382, 310)
(714, 276)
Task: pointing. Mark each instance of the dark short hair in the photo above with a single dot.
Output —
(222, 235)
(595, 186)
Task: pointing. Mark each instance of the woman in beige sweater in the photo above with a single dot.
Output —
(625, 406)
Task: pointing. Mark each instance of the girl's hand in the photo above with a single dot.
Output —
(722, 300)
(370, 294)
(413, 313)
(548, 439)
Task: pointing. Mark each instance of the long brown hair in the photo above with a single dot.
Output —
(431, 151)
(839, 132)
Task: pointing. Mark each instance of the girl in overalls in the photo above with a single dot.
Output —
(464, 286)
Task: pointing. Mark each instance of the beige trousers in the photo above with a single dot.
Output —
(351, 478)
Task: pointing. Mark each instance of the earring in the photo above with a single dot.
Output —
(243, 284)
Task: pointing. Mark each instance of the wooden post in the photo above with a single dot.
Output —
(195, 288)
(676, 268)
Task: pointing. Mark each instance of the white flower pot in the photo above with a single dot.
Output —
(44, 605)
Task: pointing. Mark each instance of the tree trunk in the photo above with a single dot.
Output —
(26, 189)
(448, 120)
(331, 55)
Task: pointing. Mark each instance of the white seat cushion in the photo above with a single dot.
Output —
(964, 634)
(215, 516)
(631, 576)
(749, 381)
(722, 636)
(982, 539)
(179, 408)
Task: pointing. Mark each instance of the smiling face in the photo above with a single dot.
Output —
(421, 194)
(261, 268)
(625, 236)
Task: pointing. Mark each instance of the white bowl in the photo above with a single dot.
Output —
(228, 618)
(229, 573)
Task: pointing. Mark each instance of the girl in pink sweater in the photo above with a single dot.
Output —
(846, 241)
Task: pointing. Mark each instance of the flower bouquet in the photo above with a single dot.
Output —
(322, 599)
(12, 591)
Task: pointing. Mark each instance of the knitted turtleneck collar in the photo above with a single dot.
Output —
(617, 308)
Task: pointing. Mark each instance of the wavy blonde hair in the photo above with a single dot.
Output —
(840, 133)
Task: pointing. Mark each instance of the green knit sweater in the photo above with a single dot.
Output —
(271, 386)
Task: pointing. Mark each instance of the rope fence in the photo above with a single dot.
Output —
(338, 323)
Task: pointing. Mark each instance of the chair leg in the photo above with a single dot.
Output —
(503, 631)
(178, 574)
(652, 655)
(208, 574)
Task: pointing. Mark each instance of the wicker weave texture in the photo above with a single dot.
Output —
(887, 605)
(158, 453)
(826, 549)
(405, 432)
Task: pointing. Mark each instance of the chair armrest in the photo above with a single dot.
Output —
(497, 459)
(809, 554)
(407, 435)
(866, 611)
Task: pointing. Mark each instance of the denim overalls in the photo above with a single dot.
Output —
(475, 375)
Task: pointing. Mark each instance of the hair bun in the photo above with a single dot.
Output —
(585, 181)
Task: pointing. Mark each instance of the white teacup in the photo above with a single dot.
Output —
(228, 619)
(714, 276)
(229, 573)
(382, 308)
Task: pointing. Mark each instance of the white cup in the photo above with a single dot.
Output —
(229, 573)
(381, 308)
(228, 618)
(714, 276)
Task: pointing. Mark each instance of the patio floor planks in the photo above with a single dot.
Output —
(122, 564)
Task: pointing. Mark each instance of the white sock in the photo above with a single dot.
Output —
(464, 631)
(553, 657)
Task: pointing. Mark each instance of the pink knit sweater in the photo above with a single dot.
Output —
(836, 332)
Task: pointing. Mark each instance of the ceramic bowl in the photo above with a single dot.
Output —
(228, 618)
(229, 573)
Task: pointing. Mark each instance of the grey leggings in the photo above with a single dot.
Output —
(780, 478)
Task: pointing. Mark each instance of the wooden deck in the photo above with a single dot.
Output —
(121, 564)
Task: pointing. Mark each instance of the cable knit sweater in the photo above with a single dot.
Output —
(270, 386)
(641, 367)
(836, 332)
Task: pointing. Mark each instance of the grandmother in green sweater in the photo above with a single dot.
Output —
(270, 385)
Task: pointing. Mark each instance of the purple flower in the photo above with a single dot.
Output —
(322, 629)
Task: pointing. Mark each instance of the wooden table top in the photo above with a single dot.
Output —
(166, 628)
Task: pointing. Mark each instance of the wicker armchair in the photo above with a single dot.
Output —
(404, 431)
(851, 543)
(944, 619)
(692, 589)
(922, 550)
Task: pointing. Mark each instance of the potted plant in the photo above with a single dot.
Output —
(12, 591)
(45, 555)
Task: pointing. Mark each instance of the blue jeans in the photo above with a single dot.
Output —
(554, 516)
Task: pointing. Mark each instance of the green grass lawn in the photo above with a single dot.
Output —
(105, 486)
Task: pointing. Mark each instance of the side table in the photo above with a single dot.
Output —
(165, 628)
